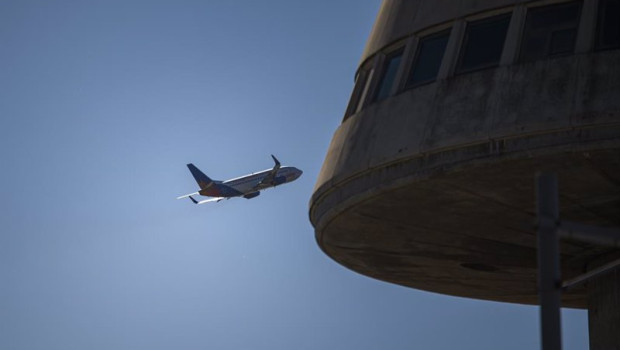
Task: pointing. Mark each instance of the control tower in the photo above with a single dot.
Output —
(429, 180)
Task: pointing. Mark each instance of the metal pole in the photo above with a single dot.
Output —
(549, 291)
(592, 273)
(604, 236)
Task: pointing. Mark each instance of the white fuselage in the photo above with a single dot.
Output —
(252, 182)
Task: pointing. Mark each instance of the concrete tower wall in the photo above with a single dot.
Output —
(398, 19)
(430, 184)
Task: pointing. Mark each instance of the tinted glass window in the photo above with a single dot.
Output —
(360, 102)
(550, 30)
(355, 95)
(389, 75)
(483, 43)
(608, 36)
(428, 58)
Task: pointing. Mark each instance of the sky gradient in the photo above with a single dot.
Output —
(102, 103)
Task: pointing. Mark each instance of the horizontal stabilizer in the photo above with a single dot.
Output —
(214, 199)
(187, 195)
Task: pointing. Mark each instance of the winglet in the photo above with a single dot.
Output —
(276, 160)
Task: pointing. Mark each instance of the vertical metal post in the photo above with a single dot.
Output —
(549, 291)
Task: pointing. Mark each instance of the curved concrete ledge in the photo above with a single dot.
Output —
(434, 188)
(466, 228)
(335, 194)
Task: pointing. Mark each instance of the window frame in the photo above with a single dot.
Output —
(385, 64)
(600, 19)
(548, 54)
(458, 69)
(360, 89)
(408, 84)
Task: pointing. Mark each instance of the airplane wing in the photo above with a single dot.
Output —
(268, 179)
(187, 195)
(214, 199)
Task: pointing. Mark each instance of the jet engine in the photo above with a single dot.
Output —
(251, 195)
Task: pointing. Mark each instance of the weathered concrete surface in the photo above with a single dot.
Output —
(434, 188)
(469, 231)
(505, 103)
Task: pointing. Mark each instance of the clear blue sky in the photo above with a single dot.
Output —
(102, 103)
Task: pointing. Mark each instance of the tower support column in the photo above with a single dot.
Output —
(549, 282)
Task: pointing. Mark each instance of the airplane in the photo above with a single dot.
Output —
(248, 186)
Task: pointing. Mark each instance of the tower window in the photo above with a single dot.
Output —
(360, 90)
(428, 58)
(483, 43)
(365, 83)
(392, 62)
(608, 31)
(550, 31)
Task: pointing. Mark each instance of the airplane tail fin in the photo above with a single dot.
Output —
(203, 180)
